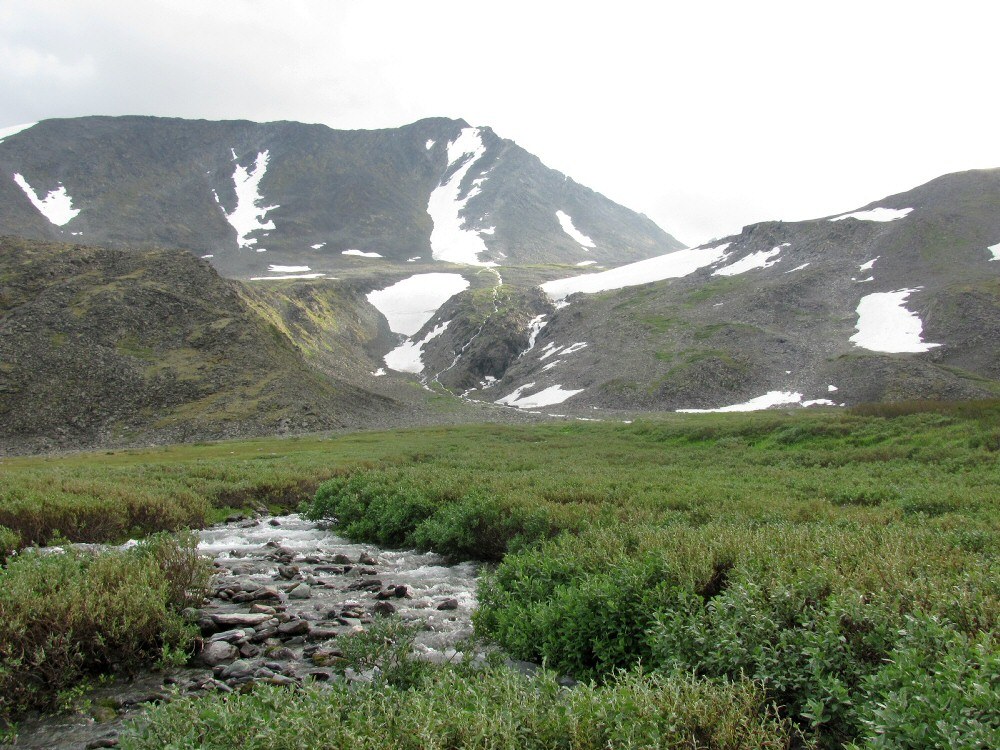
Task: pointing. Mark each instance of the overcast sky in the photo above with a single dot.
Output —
(705, 118)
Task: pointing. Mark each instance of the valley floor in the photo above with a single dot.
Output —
(818, 579)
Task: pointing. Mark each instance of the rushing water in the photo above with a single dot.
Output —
(342, 592)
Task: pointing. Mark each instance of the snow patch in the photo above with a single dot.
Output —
(761, 259)
(206, 257)
(573, 348)
(56, 206)
(429, 145)
(414, 259)
(248, 216)
(566, 222)
(769, 399)
(819, 402)
(587, 263)
(288, 269)
(550, 365)
(831, 388)
(994, 251)
(408, 356)
(14, 130)
(378, 373)
(797, 268)
(449, 240)
(361, 254)
(408, 304)
(554, 394)
(885, 325)
(548, 351)
(875, 214)
(670, 266)
(318, 245)
(869, 265)
(284, 277)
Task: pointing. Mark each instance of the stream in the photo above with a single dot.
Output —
(283, 591)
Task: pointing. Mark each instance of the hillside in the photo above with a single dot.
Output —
(101, 347)
(899, 300)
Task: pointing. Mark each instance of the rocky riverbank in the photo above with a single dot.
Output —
(284, 591)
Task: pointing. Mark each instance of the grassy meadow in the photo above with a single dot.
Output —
(824, 578)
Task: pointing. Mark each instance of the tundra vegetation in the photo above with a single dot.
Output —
(824, 579)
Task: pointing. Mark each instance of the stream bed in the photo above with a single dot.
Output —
(284, 590)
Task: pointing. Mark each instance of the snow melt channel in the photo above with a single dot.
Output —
(885, 325)
(56, 206)
(450, 241)
(248, 216)
(669, 266)
(408, 304)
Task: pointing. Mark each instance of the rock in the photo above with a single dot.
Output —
(110, 740)
(302, 591)
(263, 634)
(240, 619)
(330, 569)
(393, 592)
(366, 584)
(341, 559)
(322, 634)
(249, 651)
(218, 652)
(266, 593)
(448, 604)
(367, 559)
(288, 572)
(238, 670)
(281, 653)
(367, 572)
(263, 609)
(293, 628)
(280, 679)
(384, 609)
(274, 522)
(230, 636)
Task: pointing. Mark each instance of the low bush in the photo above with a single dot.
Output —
(10, 542)
(490, 709)
(70, 615)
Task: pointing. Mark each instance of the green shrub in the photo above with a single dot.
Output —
(10, 542)
(938, 689)
(69, 615)
(488, 709)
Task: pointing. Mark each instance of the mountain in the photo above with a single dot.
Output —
(285, 198)
(898, 300)
(438, 273)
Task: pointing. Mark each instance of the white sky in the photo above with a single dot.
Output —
(704, 116)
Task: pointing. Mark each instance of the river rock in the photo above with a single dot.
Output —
(448, 604)
(293, 628)
(302, 591)
(238, 670)
(266, 593)
(240, 619)
(218, 652)
(366, 558)
(384, 609)
(230, 636)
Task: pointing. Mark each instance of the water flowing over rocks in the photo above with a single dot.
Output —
(284, 590)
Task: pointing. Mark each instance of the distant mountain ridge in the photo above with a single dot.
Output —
(255, 197)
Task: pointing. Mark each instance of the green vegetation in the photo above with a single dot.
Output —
(67, 617)
(416, 706)
(830, 576)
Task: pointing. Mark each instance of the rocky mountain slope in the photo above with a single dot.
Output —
(284, 198)
(899, 300)
(103, 346)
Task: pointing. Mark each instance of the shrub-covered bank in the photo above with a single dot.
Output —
(71, 616)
